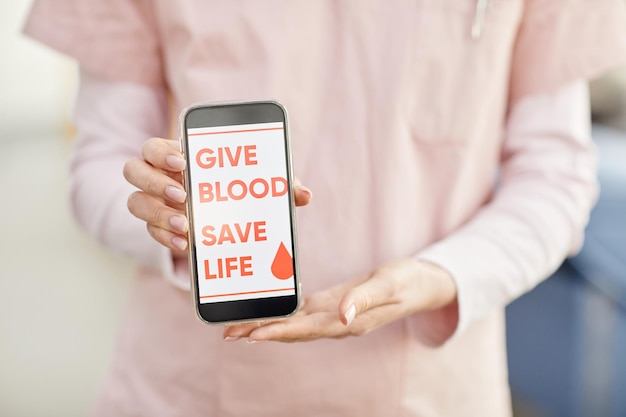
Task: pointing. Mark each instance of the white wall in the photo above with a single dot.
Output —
(36, 84)
(61, 296)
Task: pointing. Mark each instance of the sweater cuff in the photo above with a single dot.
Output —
(174, 270)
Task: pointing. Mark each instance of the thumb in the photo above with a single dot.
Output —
(302, 195)
(372, 293)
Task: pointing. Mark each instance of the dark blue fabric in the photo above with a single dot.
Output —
(567, 338)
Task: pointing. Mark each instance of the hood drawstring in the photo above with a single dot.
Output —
(478, 24)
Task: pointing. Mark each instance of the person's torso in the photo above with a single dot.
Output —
(396, 118)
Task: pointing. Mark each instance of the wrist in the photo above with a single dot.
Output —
(438, 286)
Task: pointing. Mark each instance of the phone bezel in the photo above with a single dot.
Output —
(223, 114)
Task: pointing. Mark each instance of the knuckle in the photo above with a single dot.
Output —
(364, 299)
(130, 169)
(368, 300)
(152, 231)
(159, 215)
(133, 200)
(127, 170)
(153, 149)
(153, 183)
(148, 149)
(389, 292)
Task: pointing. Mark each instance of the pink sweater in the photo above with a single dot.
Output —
(416, 141)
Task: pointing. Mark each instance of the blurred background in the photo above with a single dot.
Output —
(61, 296)
(567, 338)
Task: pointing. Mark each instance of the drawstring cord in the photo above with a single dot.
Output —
(479, 18)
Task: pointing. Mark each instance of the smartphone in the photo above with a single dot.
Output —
(240, 206)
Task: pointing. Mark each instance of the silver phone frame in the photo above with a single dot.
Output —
(182, 140)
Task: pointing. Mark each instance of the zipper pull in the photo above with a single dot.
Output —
(480, 11)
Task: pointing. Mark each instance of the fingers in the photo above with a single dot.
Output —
(163, 154)
(238, 331)
(177, 243)
(165, 224)
(302, 195)
(300, 329)
(158, 174)
(353, 308)
(153, 181)
(241, 330)
(318, 320)
(160, 200)
(319, 325)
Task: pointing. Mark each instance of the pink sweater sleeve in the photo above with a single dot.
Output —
(113, 120)
(547, 186)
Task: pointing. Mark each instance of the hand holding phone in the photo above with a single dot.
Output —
(242, 240)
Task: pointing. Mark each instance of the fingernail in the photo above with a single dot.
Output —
(305, 190)
(179, 223)
(350, 314)
(254, 341)
(179, 242)
(175, 162)
(175, 194)
(231, 338)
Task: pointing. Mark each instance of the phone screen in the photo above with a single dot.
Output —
(241, 211)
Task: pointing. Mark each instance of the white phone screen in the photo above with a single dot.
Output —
(241, 216)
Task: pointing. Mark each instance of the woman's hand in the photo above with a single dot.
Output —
(393, 291)
(161, 196)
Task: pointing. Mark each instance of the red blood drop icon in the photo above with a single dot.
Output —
(282, 266)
